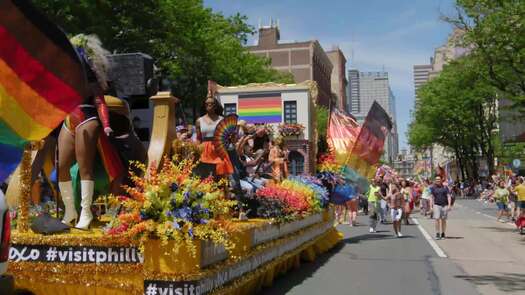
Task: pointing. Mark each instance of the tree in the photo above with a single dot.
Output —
(495, 31)
(457, 110)
(190, 43)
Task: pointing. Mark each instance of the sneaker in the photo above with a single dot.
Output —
(399, 235)
(438, 236)
(372, 230)
(442, 235)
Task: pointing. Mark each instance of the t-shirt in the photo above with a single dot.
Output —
(501, 195)
(440, 194)
(520, 189)
(372, 193)
(426, 193)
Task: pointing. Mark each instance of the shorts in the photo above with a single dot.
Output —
(396, 214)
(521, 204)
(440, 212)
(502, 206)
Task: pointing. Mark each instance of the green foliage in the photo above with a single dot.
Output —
(322, 116)
(495, 30)
(190, 43)
(457, 110)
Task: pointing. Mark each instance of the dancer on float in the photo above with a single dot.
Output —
(205, 127)
(279, 159)
(81, 129)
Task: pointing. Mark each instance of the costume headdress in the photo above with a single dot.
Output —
(94, 56)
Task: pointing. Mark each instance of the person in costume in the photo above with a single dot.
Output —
(279, 159)
(81, 129)
(205, 127)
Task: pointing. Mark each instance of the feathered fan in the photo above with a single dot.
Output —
(226, 134)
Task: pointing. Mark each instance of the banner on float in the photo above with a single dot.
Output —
(74, 254)
(232, 272)
(342, 134)
(370, 142)
(264, 108)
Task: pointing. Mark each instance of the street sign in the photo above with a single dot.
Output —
(516, 163)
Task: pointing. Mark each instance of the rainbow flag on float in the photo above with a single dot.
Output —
(260, 108)
(41, 79)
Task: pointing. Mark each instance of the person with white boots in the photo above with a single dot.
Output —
(80, 132)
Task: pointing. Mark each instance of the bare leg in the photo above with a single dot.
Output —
(66, 154)
(86, 148)
(443, 225)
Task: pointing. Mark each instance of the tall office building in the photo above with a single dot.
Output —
(353, 91)
(421, 75)
(366, 87)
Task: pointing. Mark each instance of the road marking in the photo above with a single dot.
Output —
(429, 239)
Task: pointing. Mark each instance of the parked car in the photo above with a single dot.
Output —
(6, 281)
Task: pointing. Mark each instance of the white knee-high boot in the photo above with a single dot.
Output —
(87, 190)
(66, 191)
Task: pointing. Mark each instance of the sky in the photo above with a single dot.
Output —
(374, 35)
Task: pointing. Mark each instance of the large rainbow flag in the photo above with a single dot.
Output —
(260, 108)
(41, 79)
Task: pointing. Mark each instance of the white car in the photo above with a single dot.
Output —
(6, 281)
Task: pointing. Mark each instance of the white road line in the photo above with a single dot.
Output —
(429, 239)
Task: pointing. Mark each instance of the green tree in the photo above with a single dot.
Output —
(191, 44)
(495, 31)
(457, 110)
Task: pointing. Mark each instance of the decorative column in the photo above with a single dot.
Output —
(163, 130)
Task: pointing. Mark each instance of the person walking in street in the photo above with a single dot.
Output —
(374, 205)
(396, 202)
(383, 190)
(520, 191)
(425, 198)
(442, 204)
(501, 196)
(406, 191)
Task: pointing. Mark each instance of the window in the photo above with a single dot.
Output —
(290, 112)
(295, 163)
(230, 108)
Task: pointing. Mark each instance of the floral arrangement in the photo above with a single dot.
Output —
(289, 129)
(320, 192)
(288, 204)
(173, 205)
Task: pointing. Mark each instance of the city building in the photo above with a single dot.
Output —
(339, 82)
(366, 87)
(421, 75)
(353, 92)
(404, 164)
(305, 60)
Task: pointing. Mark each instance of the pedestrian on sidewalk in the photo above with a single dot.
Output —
(442, 204)
(396, 201)
(501, 196)
(374, 205)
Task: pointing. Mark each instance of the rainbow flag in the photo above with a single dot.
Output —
(260, 108)
(370, 142)
(41, 79)
(342, 134)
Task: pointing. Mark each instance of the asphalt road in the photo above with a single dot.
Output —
(378, 263)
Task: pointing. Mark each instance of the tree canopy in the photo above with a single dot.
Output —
(191, 44)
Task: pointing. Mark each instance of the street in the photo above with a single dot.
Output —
(483, 256)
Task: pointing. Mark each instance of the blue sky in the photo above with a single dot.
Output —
(374, 35)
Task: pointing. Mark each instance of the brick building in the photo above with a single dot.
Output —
(339, 81)
(305, 60)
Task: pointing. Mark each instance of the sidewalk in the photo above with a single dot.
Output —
(491, 254)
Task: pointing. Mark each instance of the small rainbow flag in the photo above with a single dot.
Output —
(41, 79)
(260, 108)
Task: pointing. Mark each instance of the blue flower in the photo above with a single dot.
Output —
(190, 232)
(174, 187)
(176, 224)
(143, 215)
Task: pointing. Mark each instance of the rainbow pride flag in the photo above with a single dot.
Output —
(41, 79)
(260, 108)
